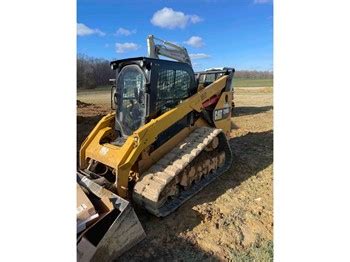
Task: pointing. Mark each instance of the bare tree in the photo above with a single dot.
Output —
(92, 72)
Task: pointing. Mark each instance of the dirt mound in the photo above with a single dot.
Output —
(91, 110)
(81, 104)
(88, 116)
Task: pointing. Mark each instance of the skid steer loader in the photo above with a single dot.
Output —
(164, 142)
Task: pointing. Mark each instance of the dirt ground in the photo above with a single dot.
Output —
(232, 218)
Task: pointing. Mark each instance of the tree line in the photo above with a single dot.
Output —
(93, 72)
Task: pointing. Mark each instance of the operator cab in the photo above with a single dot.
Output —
(207, 77)
(145, 88)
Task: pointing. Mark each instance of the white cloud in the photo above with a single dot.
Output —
(125, 47)
(262, 1)
(195, 19)
(195, 41)
(83, 30)
(124, 31)
(168, 18)
(199, 56)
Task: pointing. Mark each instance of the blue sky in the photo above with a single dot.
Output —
(217, 33)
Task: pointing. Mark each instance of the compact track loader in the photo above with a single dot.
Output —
(165, 141)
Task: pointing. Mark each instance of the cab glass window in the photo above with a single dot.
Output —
(173, 86)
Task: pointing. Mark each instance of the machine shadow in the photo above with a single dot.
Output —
(251, 110)
(252, 153)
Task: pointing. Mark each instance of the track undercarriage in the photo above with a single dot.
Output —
(184, 171)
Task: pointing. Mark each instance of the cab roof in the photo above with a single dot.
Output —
(116, 63)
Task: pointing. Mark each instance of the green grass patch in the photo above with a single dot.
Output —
(99, 89)
(244, 82)
(107, 87)
(258, 252)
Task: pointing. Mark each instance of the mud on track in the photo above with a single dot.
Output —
(231, 219)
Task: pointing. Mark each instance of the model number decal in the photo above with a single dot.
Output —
(221, 113)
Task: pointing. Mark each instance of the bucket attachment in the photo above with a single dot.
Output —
(117, 229)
